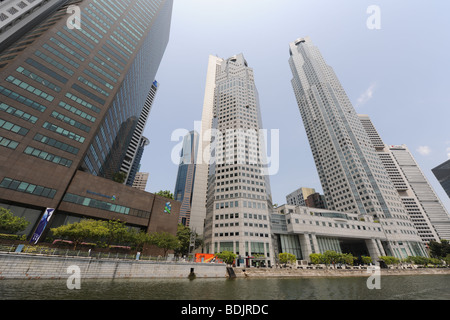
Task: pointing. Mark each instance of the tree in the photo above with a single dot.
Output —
(139, 239)
(165, 241)
(165, 193)
(439, 250)
(226, 256)
(286, 257)
(9, 223)
(117, 231)
(389, 260)
(347, 258)
(82, 231)
(316, 258)
(366, 260)
(331, 257)
(120, 177)
(184, 235)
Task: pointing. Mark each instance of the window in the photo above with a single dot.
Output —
(26, 187)
(47, 156)
(13, 127)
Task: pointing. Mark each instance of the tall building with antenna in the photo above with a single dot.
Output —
(238, 195)
(352, 175)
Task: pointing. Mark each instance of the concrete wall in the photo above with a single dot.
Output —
(24, 266)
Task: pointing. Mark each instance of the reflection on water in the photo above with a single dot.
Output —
(427, 287)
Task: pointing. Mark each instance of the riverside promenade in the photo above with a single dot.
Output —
(22, 266)
(331, 272)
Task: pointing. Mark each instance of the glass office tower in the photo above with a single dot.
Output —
(442, 174)
(186, 176)
(70, 98)
(352, 175)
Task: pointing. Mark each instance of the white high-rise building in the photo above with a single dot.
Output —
(238, 198)
(19, 16)
(140, 181)
(299, 196)
(430, 202)
(421, 202)
(198, 207)
(352, 175)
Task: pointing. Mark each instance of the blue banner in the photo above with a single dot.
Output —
(42, 224)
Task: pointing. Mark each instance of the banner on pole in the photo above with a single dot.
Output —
(42, 224)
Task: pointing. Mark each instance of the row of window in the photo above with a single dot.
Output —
(9, 126)
(17, 97)
(47, 156)
(22, 186)
(70, 121)
(103, 205)
(46, 70)
(247, 234)
(76, 111)
(38, 79)
(55, 143)
(18, 113)
(5, 142)
(30, 88)
(63, 132)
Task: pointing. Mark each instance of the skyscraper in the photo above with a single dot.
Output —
(140, 181)
(352, 175)
(238, 198)
(186, 176)
(131, 162)
(421, 203)
(71, 98)
(198, 207)
(442, 173)
(299, 196)
(19, 16)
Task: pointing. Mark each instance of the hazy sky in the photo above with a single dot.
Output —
(398, 75)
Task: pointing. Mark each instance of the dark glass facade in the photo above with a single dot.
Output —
(70, 98)
(185, 177)
(442, 173)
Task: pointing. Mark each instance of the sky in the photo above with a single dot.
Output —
(396, 73)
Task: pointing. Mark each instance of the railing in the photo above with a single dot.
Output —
(62, 252)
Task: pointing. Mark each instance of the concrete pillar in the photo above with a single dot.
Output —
(315, 243)
(374, 252)
(305, 246)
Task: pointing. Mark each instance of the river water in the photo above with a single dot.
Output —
(422, 287)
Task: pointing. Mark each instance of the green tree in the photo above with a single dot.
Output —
(120, 177)
(447, 259)
(165, 241)
(389, 260)
(138, 239)
(82, 231)
(226, 256)
(286, 257)
(316, 258)
(117, 232)
(165, 193)
(347, 258)
(184, 235)
(9, 223)
(331, 257)
(439, 249)
(366, 260)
